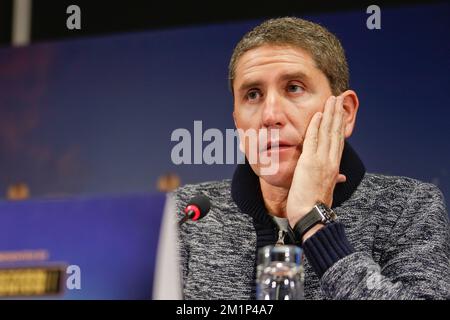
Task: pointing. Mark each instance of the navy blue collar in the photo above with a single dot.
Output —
(246, 193)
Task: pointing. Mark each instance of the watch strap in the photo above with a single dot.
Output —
(306, 223)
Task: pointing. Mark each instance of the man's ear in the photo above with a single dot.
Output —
(351, 104)
(241, 143)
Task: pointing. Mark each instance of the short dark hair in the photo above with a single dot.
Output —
(324, 47)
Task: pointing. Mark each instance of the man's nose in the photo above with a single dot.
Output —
(273, 112)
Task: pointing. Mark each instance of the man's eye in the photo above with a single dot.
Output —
(253, 95)
(295, 88)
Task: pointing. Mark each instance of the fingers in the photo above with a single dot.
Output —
(325, 135)
(326, 125)
(311, 136)
(337, 130)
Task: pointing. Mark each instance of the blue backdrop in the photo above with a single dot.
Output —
(95, 115)
(111, 240)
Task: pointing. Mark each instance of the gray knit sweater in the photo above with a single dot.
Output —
(397, 226)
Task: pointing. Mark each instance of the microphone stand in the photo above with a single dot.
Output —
(189, 215)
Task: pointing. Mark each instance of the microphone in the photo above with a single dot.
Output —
(196, 209)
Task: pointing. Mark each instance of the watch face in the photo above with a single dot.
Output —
(327, 214)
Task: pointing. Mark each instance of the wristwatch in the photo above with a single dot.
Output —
(320, 213)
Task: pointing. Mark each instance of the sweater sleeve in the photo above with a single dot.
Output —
(326, 247)
(415, 263)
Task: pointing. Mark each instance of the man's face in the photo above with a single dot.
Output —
(278, 87)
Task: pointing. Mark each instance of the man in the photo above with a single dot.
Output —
(390, 237)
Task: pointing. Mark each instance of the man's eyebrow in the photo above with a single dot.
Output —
(295, 75)
(287, 76)
(247, 85)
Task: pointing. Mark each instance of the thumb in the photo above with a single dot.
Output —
(341, 178)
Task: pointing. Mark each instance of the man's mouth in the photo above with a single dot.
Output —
(278, 146)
